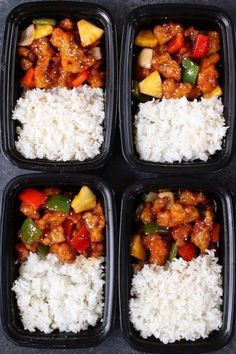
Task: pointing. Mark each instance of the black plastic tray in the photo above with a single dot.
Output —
(202, 17)
(10, 225)
(225, 216)
(19, 18)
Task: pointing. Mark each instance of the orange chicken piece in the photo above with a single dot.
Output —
(181, 233)
(96, 77)
(192, 214)
(56, 235)
(209, 217)
(177, 215)
(182, 215)
(22, 252)
(46, 73)
(146, 215)
(192, 34)
(73, 58)
(65, 79)
(163, 218)
(173, 89)
(194, 93)
(97, 249)
(208, 61)
(166, 32)
(214, 42)
(32, 247)
(75, 217)
(159, 204)
(95, 222)
(201, 235)
(207, 79)
(29, 211)
(51, 220)
(67, 24)
(190, 198)
(166, 66)
(159, 248)
(64, 252)
(184, 52)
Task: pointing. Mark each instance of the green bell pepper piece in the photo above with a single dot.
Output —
(30, 232)
(43, 250)
(140, 97)
(59, 203)
(190, 71)
(152, 228)
(173, 251)
(44, 21)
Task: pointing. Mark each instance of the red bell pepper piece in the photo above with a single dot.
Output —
(176, 43)
(81, 78)
(187, 251)
(28, 79)
(68, 227)
(216, 233)
(81, 241)
(201, 47)
(33, 197)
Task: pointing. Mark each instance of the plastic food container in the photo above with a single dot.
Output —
(221, 196)
(11, 221)
(202, 17)
(17, 20)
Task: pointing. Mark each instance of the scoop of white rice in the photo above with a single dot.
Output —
(60, 124)
(180, 300)
(51, 295)
(175, 130)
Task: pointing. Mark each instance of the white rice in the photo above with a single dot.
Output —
(180, 300)
(175, 130)
(51, 295)
(60, 124)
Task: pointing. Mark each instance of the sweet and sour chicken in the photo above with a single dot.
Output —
(61, 223)
(66, 54)
(170, 225)
(175, 62)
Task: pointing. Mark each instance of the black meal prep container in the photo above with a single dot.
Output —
(225, 216)
(10, 224)
(18, 19)
(204, 18)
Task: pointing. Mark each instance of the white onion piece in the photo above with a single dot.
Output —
(170, 196)
(151, 197)
(145, 58)
(27, 36)
(96, 52)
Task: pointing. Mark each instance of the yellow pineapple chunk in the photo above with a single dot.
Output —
(216, 92)
(42, 31)
(137, 249)
(84, 200)
(88, 32)
(145, 38)
(152, 85)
